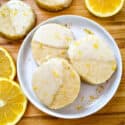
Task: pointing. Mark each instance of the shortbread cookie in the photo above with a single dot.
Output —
(56, 83)
(16, 19)
(93, 59)
(50, 40)
(54, 5)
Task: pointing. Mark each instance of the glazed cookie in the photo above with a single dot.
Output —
(56, 83)
(50, 40)
(16, 19)
(93, 59)
(54, 5)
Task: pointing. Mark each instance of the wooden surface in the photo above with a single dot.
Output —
(111, 114)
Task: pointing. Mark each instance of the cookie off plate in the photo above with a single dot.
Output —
(91, 98)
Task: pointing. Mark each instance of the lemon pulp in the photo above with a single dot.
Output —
(12, 102)
(104, 8)
(7, 66)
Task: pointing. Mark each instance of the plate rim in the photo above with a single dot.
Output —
(52, 113)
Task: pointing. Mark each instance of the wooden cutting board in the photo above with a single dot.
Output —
(111, 114)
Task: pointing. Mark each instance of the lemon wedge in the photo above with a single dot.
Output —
(104, 8)
(7, 66)
(12, 102)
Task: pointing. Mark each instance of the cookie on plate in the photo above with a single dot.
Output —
(16, 19)
(50, 40)
(54, 5)
(56, 83)
(93, 59)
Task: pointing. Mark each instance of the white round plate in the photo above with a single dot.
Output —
(91, 98)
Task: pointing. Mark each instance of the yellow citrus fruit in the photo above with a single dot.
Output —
(104, 8)
(12, 102)
(7, 66)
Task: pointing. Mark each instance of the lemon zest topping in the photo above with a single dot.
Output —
(46, 94)
(88, 31)
(72, 74)
(88, 65)
(95, 45)
(114, 67)
(35, 88)
(63, 52)
(41, 45)
(68, 39)
(57, 36)
(14, 12)
(25, 13)
(55, 74)
(4, 12)
(77, 43)
(80, 53)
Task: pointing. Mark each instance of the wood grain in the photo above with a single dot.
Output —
(114, 112)
(114, 119)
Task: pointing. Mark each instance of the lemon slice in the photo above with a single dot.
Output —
(12, 102)
(7, 66)
(104, 8)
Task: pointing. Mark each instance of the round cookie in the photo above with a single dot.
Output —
(16, 19)
(93, 59)
(56, 83)
(50, 40)
(54, 5)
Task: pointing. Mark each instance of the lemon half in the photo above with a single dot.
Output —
(12, 102)
(7, 66)
(104, 8)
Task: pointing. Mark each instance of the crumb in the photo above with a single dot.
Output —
(79, 107)
(82, 98)
(92, 98)
(100, 89)
(67, 25)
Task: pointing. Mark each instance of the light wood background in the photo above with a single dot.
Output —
(111, 114)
